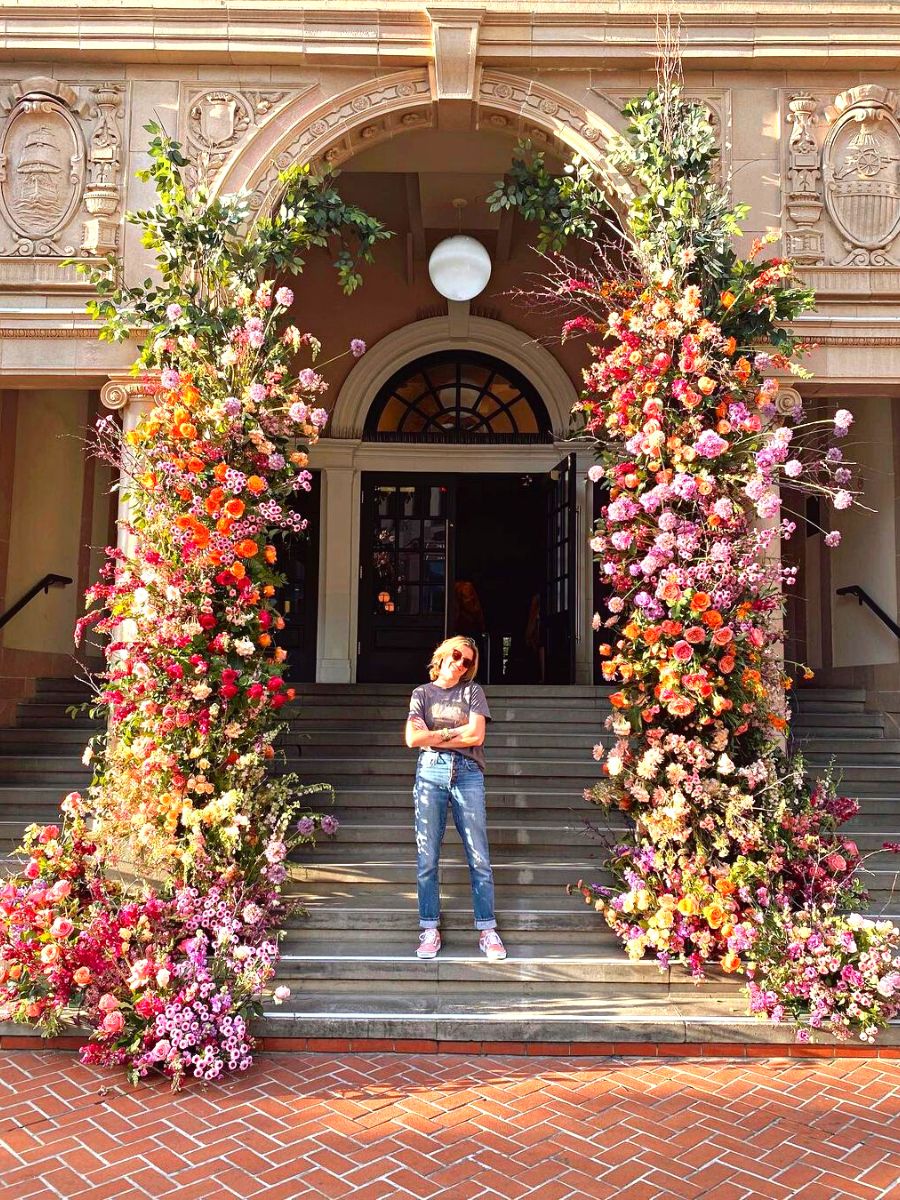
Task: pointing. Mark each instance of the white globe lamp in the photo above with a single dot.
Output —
(459, 267)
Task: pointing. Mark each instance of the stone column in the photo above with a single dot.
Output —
(130, 395)
(339, 573)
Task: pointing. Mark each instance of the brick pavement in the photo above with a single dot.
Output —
(372, 1126)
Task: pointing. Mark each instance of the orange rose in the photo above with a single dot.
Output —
(246, 548)
(235, 508)
(618, 700)
(269, 590)
(201, 536)
(700, 601)
(82, 976)
(726, 664)
(195, 465)
(270, 554)
(731, 962)
(725, 887)
(706, 385)
(726, 299)
(238, 570)
(256, 485)
(713, 618)
(714, 915)
(187, 430)
(721, 637)
(671, 593)
(695, 634)
(264, 640)
(220, 470)
(681, 706)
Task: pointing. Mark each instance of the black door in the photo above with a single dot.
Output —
(562, 549)
(405, 572)
(298, 600)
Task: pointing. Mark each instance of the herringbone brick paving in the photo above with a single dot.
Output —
(373, 1126)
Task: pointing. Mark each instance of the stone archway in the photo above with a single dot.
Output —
(310, 129)
(414, 341)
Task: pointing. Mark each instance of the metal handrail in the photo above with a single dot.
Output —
(863, 597)
(43, 585)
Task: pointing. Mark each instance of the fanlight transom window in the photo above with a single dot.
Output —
(458, 396)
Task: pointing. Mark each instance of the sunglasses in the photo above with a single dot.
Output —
(457, 656)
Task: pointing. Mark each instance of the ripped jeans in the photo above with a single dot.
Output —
(447, 779)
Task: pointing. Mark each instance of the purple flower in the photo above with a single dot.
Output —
(843, 419)
(170, 378)
(257, 392)
(793, 467)
(173, 311)
(232, 406)
(833, 539)
(308, 379)
(306, 826)
(298, 412)
(357, 347)
(710, 445)
(329, 825)
(842, 499)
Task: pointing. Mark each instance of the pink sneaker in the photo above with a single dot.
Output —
(429, 943)
(490, 944)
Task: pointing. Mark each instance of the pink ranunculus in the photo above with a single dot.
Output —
(107, 1003)
(62, 927)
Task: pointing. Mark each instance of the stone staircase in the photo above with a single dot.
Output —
(350, 961)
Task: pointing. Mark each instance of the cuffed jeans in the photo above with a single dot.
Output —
(445, 779)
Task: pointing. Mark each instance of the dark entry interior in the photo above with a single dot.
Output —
(483, 555)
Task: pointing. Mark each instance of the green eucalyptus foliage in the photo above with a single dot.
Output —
(207, 248)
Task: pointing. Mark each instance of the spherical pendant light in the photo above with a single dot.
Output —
(459, 267)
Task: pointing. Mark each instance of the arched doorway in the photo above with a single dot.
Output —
(444, 551)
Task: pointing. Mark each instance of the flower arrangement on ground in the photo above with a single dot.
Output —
(732, 858)
(168, 974)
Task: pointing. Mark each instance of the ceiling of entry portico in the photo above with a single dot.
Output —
(413, 179)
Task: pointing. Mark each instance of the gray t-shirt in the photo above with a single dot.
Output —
(448, 708)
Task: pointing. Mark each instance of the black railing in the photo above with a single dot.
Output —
(863, 597)
(43, 585)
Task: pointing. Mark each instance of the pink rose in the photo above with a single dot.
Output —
(62, 927)
(108, 1003)
(113, 1022)
(682, 651)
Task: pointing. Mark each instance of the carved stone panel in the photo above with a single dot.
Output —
(216, 120)
(841, 173)
(61, 151)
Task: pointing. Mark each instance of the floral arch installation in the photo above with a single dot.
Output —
(458, 396)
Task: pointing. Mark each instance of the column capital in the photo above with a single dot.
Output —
(123, 388)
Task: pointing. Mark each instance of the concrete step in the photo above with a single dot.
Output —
(631, 1016)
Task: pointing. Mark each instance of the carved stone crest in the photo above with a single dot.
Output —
(217, 120)
(60, 176)
(861, 170)
(42, 169)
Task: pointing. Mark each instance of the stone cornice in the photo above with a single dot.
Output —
(398, 32)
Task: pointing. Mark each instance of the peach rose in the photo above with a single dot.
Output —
(83, 976)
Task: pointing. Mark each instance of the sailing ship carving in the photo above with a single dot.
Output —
(42, 168)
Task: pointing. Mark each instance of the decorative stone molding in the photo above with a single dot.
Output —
(787, 400)
(216, 120)
(413, 341)
(61, 195)
(842, 189)
(455, 32)
(382, 108)
(123, 389)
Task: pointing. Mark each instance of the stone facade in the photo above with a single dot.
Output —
(417, 102)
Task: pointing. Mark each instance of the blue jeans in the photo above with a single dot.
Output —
(447, 779)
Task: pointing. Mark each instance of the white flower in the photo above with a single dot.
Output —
(200, 691)
(244, 647)
(281, 994)
(724, 766)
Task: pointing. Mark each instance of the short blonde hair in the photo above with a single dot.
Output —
(458, 642)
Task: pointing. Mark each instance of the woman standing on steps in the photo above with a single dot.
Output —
(446, 724)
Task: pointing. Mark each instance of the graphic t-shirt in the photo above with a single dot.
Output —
(448, 708)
